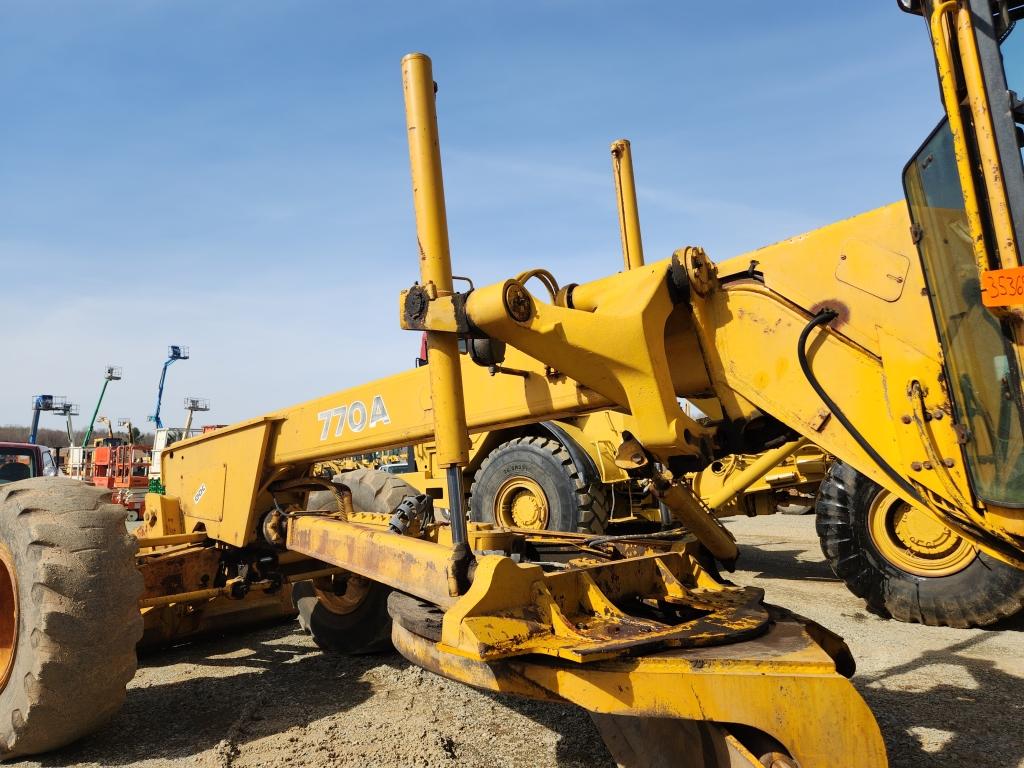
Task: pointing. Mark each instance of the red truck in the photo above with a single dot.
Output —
(19, 461)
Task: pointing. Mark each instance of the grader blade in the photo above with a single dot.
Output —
(778, 694)
(652, 635)
(658, 742)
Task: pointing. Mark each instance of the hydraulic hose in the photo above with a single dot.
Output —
(823, 317)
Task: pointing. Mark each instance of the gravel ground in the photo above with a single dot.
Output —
(942, 696)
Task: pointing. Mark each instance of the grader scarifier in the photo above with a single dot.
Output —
(825, 337)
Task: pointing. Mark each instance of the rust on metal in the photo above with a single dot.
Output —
(410, 565)
(178, 571)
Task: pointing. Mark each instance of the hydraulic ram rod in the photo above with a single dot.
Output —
(625, 199)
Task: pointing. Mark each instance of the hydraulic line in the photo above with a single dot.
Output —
(977, 533)
(823, 317)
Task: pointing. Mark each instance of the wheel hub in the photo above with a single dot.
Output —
(521, 503)
(914, 541)
(342, 593)
(8, 615)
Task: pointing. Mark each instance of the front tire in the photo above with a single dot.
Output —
(532, 482)
(906, 566)
(347, 613)
(69, 593)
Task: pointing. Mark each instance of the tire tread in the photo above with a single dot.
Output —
(80, 623)
(985, 592)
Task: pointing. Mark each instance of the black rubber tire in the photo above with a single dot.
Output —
(79, 621)
(981, 594)
(576, 502)
(367, 628)
(375, 491)
(420, 618)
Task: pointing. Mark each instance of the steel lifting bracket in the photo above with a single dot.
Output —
(422, 309)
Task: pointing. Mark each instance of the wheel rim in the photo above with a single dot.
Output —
(342, 593)
(8, 615)
(520, 503)
(914, 541)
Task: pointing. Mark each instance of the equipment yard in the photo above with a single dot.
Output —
(942, 696)
(615, 521)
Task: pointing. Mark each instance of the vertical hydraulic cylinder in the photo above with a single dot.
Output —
(436, 275)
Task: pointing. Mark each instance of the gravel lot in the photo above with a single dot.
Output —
(942, 696)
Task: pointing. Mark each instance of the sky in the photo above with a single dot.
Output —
(233, 175)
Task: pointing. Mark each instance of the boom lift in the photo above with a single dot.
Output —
(192, 406)
(58, 406)
(816, 338)
(112, 373)
(42, 403)
(175, 352)
(67, 410)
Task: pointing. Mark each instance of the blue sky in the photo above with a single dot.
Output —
(233, 175)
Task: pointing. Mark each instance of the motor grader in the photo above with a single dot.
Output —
(892, 340)
(566, 475)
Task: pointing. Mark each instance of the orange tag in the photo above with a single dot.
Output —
(1002, 287)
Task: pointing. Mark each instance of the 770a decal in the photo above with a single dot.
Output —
(353, 415)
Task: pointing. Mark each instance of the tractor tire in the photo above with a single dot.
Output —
(347, 613)
(70, 593)
(958, 587)
(375, 491)
(532, 482)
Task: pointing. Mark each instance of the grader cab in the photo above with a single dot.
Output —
(870, 338)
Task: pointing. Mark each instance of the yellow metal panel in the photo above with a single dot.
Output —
(397, 410)
(757, 358)
(803, 270)
(612, 340)
(216, 476)
(873, 269)
(161, 516)
(410, 565)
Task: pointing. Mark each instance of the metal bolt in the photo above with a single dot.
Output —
(906, 419)
(916, 466)
(937, 414)
(927, 465)
(949, 462)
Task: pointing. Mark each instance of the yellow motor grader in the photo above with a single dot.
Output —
(892, 340)
(567, 475)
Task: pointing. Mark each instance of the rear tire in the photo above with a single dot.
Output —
(347, 613)
(532, 482)
(977, 592)
(69, 569)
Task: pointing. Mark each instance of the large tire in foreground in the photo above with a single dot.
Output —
(347, 613)
(905, 565)
(69, 593)
(532, 482)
